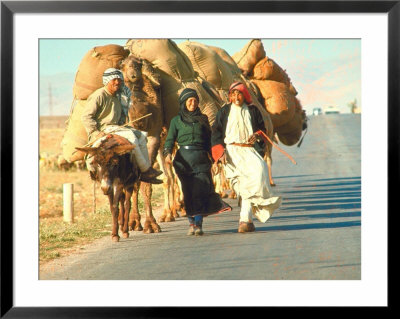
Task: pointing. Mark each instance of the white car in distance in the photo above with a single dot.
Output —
(332, 110)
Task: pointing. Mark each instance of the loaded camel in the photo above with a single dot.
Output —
(144, 82)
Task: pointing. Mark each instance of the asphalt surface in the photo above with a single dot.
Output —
(315, 235)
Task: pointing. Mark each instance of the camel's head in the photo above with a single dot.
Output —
(132, 69)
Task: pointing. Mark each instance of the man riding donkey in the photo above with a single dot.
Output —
(107, 112)
(237, 143)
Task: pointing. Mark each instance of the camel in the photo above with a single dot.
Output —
(144, 82)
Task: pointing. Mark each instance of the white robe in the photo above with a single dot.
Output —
(246, 169)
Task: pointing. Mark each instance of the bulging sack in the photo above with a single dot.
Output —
(171, 63)
(208, 64)
(89, 76)
(176, 73)
(227, 59)
(268, 69)
(236, 75)
(278, 101)
(290, 133)
(165, 55)
(248, 57)
(75, 134)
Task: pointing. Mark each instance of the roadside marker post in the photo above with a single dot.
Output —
(68, 198)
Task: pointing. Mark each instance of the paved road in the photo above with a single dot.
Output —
(316, 234)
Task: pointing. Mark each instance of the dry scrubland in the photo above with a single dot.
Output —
(58, 238)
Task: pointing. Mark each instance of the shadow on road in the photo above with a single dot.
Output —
(326, 198)
(309, 226)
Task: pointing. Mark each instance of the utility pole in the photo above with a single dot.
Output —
(50, 101)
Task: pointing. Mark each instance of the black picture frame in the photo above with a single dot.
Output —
(9, 8)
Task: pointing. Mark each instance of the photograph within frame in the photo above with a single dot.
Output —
(392, 60)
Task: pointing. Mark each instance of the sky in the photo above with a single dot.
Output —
(325, 72)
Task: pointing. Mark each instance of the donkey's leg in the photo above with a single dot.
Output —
(134, 218)
(150, 224)
(127, 207)
(121, 211)
(114, 213)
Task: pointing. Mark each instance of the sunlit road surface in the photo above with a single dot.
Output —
(315, 235)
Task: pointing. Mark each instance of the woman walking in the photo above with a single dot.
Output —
(192, 162)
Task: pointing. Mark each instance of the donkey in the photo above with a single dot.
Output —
(118, 177)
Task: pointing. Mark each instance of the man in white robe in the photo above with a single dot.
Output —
(236, 145)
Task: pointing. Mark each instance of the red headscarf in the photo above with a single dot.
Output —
(243, 89)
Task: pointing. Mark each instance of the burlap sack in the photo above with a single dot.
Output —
(278, 101)
(176, 72)
(75, 134)
(89, 76)
(268, 69)
(208, 64)
(248, 57)
(290, 133)
(292, 89)
(290, 138)
(236, 75)
(227, 59)
(163, 54)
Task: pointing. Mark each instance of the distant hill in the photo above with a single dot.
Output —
(61, 89)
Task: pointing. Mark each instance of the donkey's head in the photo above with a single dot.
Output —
(106, 159)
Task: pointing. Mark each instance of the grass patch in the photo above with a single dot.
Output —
(54, 189)
(57, 238)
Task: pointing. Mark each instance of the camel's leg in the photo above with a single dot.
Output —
(160, 159)
(150, 224)
(172, 212)
(134, 218)
(167, 211)
(216, 178)
(224, 182)
(167, 214)
(171, 209)
(179, 203)
(268, 159)
(220, 185)
(269, 164)
(232, 194)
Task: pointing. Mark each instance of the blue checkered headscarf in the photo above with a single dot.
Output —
(111, 74)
